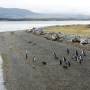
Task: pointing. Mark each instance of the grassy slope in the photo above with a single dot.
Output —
(82, 30)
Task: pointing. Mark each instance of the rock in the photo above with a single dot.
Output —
(76, 39)
(48, 36)
(60, 35)
(84, 41)
(52, 36)
(38, 31)
(30, 30)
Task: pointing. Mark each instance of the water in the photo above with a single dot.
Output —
(22, 25)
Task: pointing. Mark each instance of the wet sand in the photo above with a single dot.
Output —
(22, 74)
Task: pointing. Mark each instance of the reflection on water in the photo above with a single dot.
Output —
(21, 25)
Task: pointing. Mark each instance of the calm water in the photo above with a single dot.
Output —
(21, 25)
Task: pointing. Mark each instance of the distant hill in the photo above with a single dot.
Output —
(15, 13)
(23, 14)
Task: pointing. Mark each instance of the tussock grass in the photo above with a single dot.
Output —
(81, 30)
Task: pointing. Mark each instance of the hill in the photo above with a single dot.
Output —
(23, 14)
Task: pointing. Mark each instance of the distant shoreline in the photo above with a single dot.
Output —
(41, 19)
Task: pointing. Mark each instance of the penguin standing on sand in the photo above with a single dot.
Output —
(68, 51)
(26, 55)
(80, 61)
(55, 56)
(76, 58)
(34, 59)
(64, 59)
(60, 62)
(77, 53)
(81, 58)
(83, 53)
(69, 64)
(65, 66)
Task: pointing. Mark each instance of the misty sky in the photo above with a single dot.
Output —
(49, 6)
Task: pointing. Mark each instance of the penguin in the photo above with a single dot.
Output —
(60, 62)
(76, 53)
(64, 59)
(26, 55)
(83, 53)
(34, 59)
(55, 56)
(69, 64)
(68, 51)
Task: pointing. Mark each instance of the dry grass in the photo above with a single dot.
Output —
(81, 30)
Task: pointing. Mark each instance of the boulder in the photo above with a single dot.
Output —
(84, 41)
(52, 36)
(48, 36)
(60, 35)
(30, 30)
(76, 39)
(38, 31)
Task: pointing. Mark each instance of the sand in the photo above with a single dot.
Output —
(28, 74)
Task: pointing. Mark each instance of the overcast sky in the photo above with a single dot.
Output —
(49, 6)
